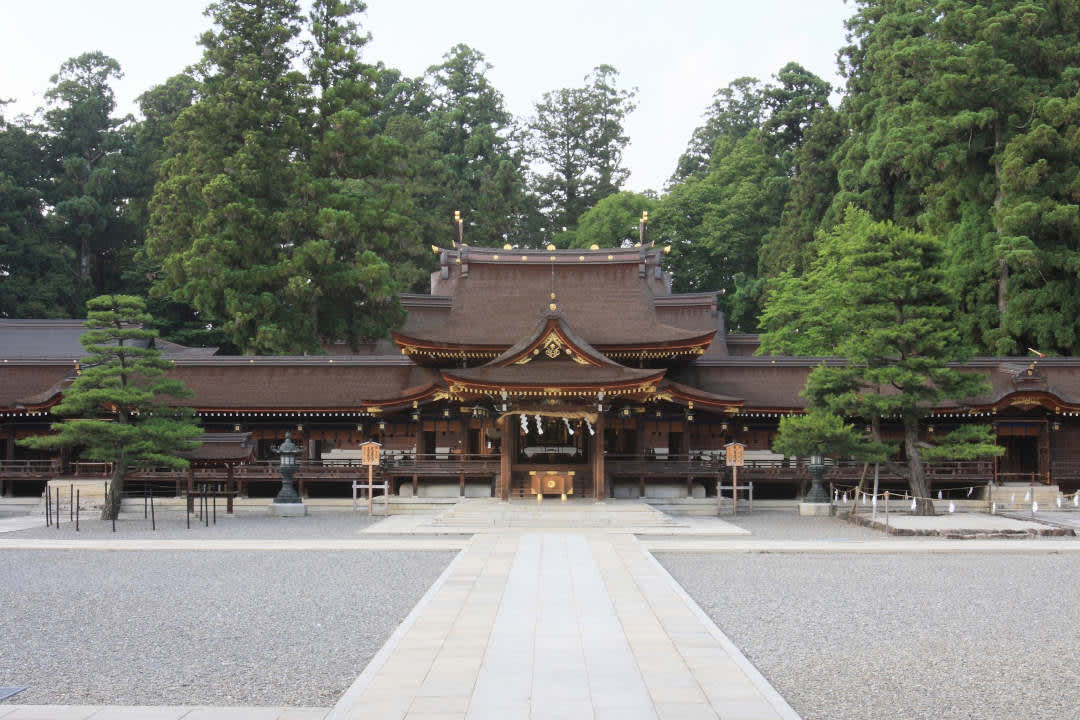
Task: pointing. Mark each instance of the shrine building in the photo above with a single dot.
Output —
(524, 372)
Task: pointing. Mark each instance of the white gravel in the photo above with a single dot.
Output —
(173, 526)
(901, 636)
(214, 628)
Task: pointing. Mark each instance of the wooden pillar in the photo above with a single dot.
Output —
(599, 483)
(461, 484)
(415, 485)
(230, 485)
(9, 442)
(506, 455)
(689, 486)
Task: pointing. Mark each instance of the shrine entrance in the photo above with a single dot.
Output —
(1027, 451)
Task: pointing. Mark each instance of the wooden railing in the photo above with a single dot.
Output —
(668, 466)
(441, 464)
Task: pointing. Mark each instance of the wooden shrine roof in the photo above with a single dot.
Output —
(494, 296)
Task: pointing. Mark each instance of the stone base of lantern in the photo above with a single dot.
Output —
(812, 509)
(288, 509)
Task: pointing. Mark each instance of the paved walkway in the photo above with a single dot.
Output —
(558, 625)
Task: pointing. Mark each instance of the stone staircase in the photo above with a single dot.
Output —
(1019, 496)
(552, 513)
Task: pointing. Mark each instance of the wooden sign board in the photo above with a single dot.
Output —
(733, 454)
(369, 453)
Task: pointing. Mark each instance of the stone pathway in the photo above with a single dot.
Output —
(558, 625)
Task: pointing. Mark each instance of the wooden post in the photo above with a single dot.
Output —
(641, 486)
(230, 486)
(689, 486)
(370, 486)
(734, 489)
(461, 484)
(415, 485)
(506, 452)
(598, 474)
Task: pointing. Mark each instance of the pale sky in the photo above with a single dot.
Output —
(676, 52)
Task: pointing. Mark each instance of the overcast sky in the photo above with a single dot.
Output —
(675, 52)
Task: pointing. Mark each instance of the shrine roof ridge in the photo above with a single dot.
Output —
(511, 255)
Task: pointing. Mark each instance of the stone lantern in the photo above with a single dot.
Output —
(287, 503)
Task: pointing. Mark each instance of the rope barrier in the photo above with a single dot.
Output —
(840, 496)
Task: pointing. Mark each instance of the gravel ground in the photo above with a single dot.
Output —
(222, 628)
(911, 636)
(788, 525)
(173, 526)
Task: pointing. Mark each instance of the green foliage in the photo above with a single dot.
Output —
(816, 433)
(118, 407)
(716, 223)
(578, 141)
(89, 180)
(965, 442)
(959, 125)
(613, 221)
(876, 297)
(478, 162)
(36, 271)
(279, 207)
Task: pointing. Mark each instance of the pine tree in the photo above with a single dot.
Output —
(117, 406)
(876, 297)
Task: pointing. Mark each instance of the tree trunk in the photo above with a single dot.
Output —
(111, 508)
(920, 488)
(858, 489)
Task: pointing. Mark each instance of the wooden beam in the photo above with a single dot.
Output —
(506, 456)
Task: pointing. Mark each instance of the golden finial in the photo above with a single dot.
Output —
(552, 296)
(550, 247)
(594, 246)
(644, 216)
(507, 247)
(667, 249)
(552, 306)
(435, 249)
(457, 216)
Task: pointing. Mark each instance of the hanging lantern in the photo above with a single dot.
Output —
(382, 425)
(625, 412)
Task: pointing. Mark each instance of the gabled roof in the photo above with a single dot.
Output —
(551, 356)
(607, 295)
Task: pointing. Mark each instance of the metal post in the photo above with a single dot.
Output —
(48, 507)
(215, 507)
(153, 522)
(751, 496)
(144, 493)
(71, 502)
(77, 493)
(206, 504)
(58, 508)
(187, 506)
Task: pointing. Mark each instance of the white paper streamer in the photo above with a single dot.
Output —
(539, 427)
(845, 498)
(864, 498)
(1059, 501)
(567, 424)
(1076, 499)
(1027, 496)
(970, 490)
(589, 425)
(1034, 507)
(939, 495)
(1012, 499)
(993, 508)
(913, 504)
(524, 422)
(952, 506)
